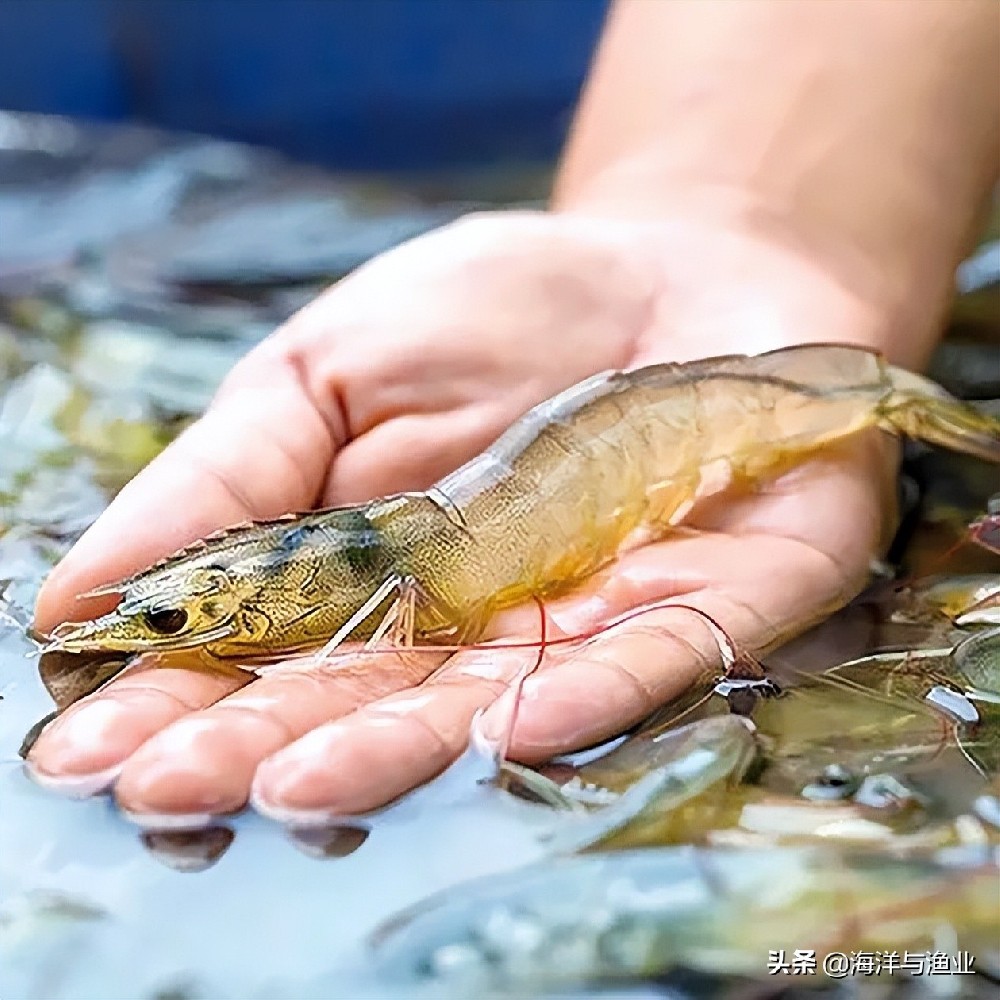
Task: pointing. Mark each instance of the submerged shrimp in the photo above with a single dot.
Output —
(542, 509)
(985, 531)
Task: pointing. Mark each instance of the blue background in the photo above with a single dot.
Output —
(382, 84)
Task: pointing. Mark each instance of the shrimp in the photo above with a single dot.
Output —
(551, 502)
(985, 531)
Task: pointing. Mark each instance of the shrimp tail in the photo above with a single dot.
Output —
(919, 408)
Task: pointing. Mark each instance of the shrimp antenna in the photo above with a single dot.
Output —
(104, 590)
(384, 589)
(736, 663)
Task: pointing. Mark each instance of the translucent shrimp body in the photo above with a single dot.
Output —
(549, 503)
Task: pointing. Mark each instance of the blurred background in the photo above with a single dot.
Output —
(350, 84)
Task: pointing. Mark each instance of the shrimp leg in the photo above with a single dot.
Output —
(384, 589)
(389, 621)
(406, 623)
(399, 622)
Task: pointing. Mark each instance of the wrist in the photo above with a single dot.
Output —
(808, 128)
(747, 276)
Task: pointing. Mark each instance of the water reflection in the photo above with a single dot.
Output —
(188, 850)
(329, 842)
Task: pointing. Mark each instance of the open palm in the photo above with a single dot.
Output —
(392, 379)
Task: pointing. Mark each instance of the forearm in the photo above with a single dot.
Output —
(863, 134)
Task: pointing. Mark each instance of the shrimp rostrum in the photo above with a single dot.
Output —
(547, 505)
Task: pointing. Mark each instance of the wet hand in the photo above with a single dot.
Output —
(390, 380)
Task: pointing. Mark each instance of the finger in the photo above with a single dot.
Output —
(855, 475)
(204, 762)
(386, 747)
(83, 749)
(762, 588)
(424, 447)
(257, 453)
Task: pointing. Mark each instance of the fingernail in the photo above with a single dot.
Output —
(82, 744)
(183, 774)
(280, 792)
(281, 782)
(170, 821)
(285, 786)
(75, 786)
(295, 819)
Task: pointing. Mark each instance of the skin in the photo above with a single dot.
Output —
(740, 177)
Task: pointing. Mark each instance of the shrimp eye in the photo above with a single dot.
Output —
(167, 622)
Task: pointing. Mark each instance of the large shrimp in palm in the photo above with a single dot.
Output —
(552, 501)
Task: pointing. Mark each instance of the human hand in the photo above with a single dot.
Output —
(393, 378)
